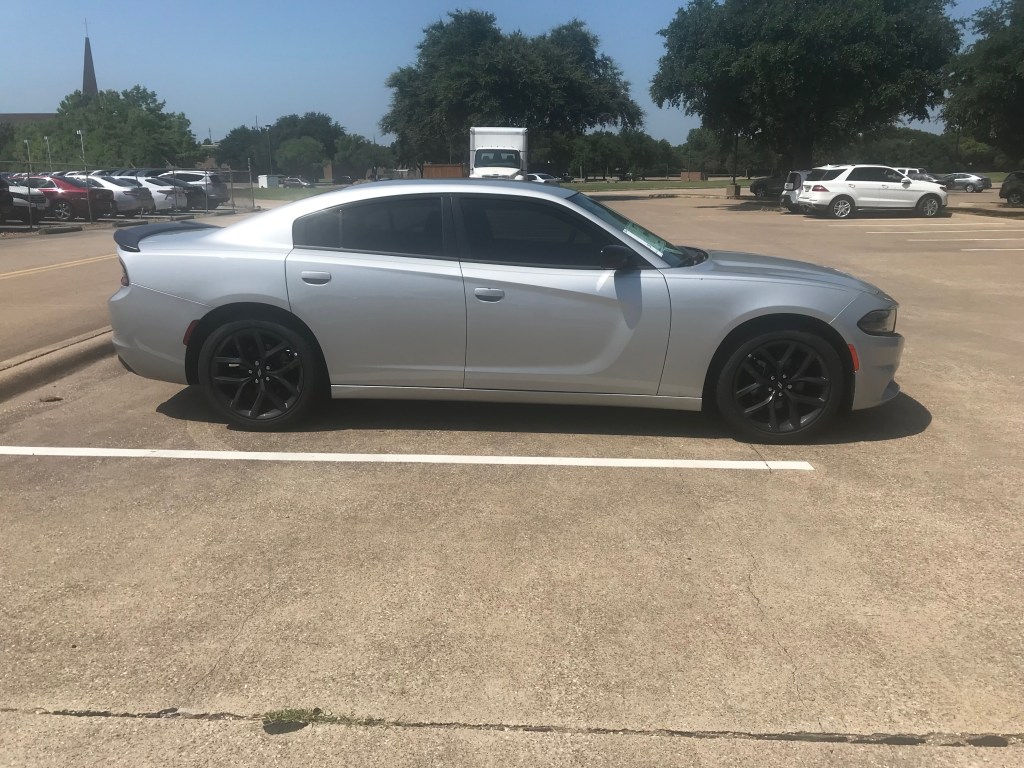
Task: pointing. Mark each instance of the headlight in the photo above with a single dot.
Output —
(879, 322)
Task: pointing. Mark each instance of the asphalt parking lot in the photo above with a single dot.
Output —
(863, 610)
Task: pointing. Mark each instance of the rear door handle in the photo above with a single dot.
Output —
(316, 278)
(489, 294)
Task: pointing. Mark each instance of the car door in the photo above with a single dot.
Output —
(899, 191)
(381, 288)
(541, 313)
(865, 183)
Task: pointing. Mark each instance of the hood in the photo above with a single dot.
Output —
(757, 267)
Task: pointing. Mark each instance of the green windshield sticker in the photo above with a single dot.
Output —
(649, 239)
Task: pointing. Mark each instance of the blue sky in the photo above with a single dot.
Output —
(225, 63)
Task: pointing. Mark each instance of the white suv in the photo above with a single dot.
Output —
(842, 190)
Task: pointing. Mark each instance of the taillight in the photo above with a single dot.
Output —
(124, 274)
(818, 188)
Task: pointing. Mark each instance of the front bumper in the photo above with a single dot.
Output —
(875, 382)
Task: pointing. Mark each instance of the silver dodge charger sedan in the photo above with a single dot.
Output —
(494, 291)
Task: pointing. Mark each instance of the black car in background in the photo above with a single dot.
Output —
(6, 200)
(1012, 189)
(768, 186)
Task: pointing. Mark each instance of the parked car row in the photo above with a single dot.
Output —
(69, 195)
(842, 190)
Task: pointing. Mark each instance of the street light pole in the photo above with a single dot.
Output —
(28, 150)
(85, 170)
(49, 161)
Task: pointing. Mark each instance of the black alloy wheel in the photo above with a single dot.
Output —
(780, 387)
(259, 374)
(1015, 197)
(62, 211)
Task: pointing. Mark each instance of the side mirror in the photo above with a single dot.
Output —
(906, 181)
(617, 257)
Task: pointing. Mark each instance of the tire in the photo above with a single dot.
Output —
(61, 210)
(760, 193)
(970, 188)
(1015, 197)
(260, 375)
(841, 208)
(929, 206)
(780, 387)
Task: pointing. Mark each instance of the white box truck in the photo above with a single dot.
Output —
(497, 153)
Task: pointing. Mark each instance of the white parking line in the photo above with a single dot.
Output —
(963, 239)
(945, 231)
(964, 250)
(895, 224)
(399, 458)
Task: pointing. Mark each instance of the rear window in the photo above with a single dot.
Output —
(824, 174)
(215, 179)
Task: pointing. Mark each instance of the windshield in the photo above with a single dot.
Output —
(497, 158)
(673, 255)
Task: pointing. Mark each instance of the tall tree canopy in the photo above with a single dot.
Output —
(120, 128)
(987, 81)
(468, 72)
(794, 74)
(243, 144)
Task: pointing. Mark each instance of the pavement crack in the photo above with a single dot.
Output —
(769, 623)
(257, 607)
(981, 740)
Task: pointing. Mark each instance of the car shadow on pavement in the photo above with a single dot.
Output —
(900, 418)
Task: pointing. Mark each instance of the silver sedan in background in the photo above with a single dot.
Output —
(494, 291)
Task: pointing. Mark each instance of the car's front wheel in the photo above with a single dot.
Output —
(929, 206)
(1015, 198)
(969, 188)
(259, 374)
(841, 208)
(780, 387)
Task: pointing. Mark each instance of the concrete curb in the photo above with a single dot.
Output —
(34, 369)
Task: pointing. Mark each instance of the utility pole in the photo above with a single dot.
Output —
(85, 170)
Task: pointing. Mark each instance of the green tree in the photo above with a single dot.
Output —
(356, 155)
(468, 72)
(119, 128)
(302, 156)
(797, 74)
(244, 145)
(986, 82)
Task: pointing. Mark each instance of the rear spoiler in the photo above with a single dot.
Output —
(129, 239)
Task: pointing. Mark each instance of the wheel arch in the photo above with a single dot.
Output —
(244, 311)
(778, 322)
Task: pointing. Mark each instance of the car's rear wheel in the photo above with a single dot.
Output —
(760, 193)
(259, 374)
(929, 206)
(1015, 198)
(62, 211)
(841, 208)
(780, 387)
(969, 187)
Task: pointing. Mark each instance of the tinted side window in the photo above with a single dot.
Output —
(505, 230)
(824, 174)
(408, 226)
(870, 173)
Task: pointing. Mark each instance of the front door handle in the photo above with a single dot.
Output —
(489, 294)
(316, 278)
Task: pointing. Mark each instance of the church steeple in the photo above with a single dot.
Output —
(88, 73)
